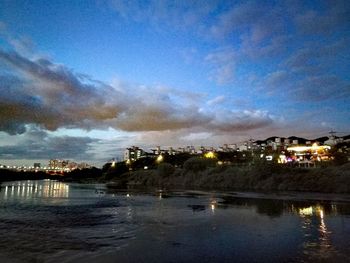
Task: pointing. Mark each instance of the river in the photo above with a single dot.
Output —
(51, 221)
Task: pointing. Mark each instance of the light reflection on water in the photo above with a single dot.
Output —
(317, 242)
(50, 221)
(33, 189)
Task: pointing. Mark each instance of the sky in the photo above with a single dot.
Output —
(83, 80)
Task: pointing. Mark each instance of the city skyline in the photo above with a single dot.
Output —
(83, 80)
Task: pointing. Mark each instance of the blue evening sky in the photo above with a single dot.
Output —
(82, 80)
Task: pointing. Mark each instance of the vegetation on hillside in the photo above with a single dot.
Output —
(201, 173)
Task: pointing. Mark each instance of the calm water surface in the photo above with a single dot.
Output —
(50, 221)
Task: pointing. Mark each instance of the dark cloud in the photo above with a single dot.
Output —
(37, 144)
(53, 96)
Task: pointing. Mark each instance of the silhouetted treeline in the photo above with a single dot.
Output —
(10, 175)
(82, 175)
(75, 175)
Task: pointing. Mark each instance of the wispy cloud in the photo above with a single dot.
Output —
(336, 17)
(217, 100)
(223, 65)
(177, 14)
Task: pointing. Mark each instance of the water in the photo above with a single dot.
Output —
(50, 221)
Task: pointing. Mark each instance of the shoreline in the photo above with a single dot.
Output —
(298, 196)
(268, 195)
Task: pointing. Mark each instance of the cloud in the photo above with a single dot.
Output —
(195, 136)
(278, 81)
(22, 44)
(318, 88)
(230, 121)
(236, 18)
(334, 17)
(52, 96)
(259, 21)
(37, 144)
(308, 87)
(274, 46)
(223, 63)
(216, 100)
(157, 118)
(177, 14)
(316, 57)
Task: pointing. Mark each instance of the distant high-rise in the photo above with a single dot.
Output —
(133, 153)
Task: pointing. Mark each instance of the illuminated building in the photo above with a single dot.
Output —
(310, 153)
(133, 153)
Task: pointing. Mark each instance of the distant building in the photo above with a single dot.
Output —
(133, 153)
(233, 147)
(157, 151)
(55, 164)
(37, 165)
(171, 151)
(83, 166)
(181, 149)
(333, 140)
(243, 147)
(66, 165)
(72, 165)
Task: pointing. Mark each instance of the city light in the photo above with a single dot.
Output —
(314, 147)
(159, 158)
(209, 155)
